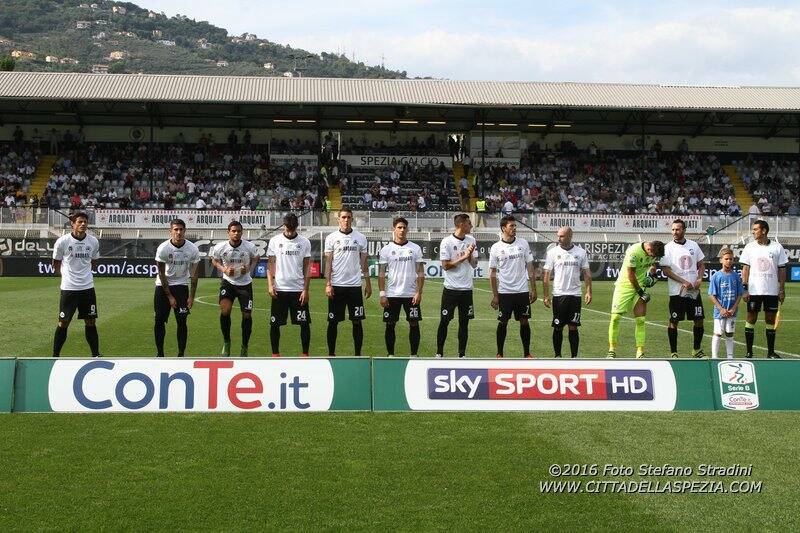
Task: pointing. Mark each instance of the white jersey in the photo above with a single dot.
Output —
(566, 266)
(401, 262)
(288, 255)
(236, 257)
(76, 256)
(178, 261)
(683, 260)
(511, 261)
(458, 278)
(346, 249)
(764, 261)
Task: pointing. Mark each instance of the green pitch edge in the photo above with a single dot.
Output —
(6, 384)
(352, 384)
(31, 384)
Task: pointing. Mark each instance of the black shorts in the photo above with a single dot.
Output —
(392, 313)
(161, 305)
(566, 310)
(243, 293)
(288, 303)
(349, 297)
(768, 302)
(681, 308)
(84, 301)
(452, 298)
(519, 304)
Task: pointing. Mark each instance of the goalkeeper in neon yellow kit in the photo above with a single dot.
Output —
(637, 274)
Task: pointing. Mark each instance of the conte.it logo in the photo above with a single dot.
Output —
(539, 384)
(737, 381)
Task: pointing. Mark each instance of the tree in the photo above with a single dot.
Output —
(7, 64)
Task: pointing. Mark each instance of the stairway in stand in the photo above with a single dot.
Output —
(458, 172)
(335, 196)
(743, 196)
(42, 175)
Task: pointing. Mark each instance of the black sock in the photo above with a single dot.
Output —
(93, 340)
(672, 335)
(160, 330)
(502, 327)
(749, 336)
(463, 335)
(247, 330)
(333, 329)
(225, 325)
(275, 338)
(413, 338)
(574, 340)
(389, 336)
(558, 339)
(358, 337)
(305, 338)
(698, 337)
(59, 339)
(525, 335)
(770, 341)
(441, 336)
(183, 336)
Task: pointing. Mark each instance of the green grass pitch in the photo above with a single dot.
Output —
(374, 471)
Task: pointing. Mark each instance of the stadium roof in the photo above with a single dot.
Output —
(236, 89)
(340, 104)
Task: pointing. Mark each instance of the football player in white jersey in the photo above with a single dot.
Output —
(176, 260)
(511, 268)
(235, 260)
(567, 262)
(288, 278)
(402, 262)
(74, 257)
(764, 263)
(683, 263)
(458, 253)
(345, 270)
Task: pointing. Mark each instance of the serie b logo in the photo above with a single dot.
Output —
(737, 381)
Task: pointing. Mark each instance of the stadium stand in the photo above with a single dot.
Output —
(18, 162)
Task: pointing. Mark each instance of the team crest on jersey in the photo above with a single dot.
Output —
(394, 253)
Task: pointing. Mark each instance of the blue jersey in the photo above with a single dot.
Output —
(727, 287)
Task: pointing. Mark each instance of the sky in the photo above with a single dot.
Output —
(671, 42)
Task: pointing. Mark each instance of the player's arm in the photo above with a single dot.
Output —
(781, 283)
(193, 284)
(328, 274)
(493, 284)
(253, 262)
(417, 298)
(162, 275)
(306, 280)
(718, 305)
(587, 281)
(473, 257)
(217, 264)
(532, 277)
(546, 288)
(447, 264)
(271, 276)
(635, 284)
(745, 277)
(701, 271)
(382, 284)
(365, 273)
(667, 271)
(57, 266)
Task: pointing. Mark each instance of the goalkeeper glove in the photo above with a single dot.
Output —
(644, 296)
(649, 280)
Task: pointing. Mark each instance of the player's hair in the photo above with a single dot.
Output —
(763, 223)
(78, 214)
(681, 222)
(399, 220)
(290, 221)
(233, 223)
(177, 222)
(657, 247)
(725, 251)
(460, 218)
(346, 210)
(506, 219)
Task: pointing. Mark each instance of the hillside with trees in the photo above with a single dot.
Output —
(74, 36)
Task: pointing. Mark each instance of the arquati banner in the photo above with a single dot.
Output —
(213, 385)
(358, 161)
(616, 223)
(195, 219)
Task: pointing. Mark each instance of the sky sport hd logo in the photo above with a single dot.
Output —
(540, 385)
(737, 381)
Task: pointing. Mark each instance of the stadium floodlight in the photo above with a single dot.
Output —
(562, 125)
(306, 121)
(408, 121)
(282, 120)
(383, 121)
(355, 121)
(437, 122)
(511, 124)
(486, 124)
(537, 125)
